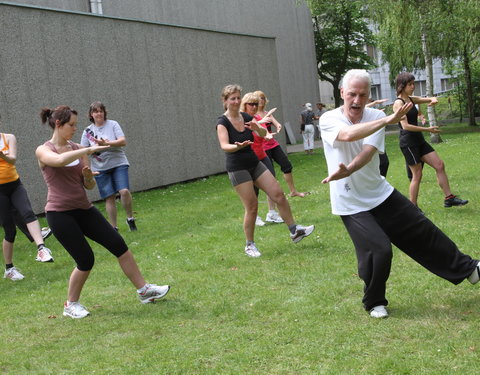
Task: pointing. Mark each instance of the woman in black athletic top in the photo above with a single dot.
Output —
(235, 135)
(414, 146)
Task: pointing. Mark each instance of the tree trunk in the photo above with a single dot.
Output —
(336, 95)
(432, 118)
(468, 83)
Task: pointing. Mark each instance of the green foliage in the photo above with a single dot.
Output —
(341, 34)
(295, 310)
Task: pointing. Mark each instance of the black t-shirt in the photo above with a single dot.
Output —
(408, 138)
(244, 158)
(307, 117)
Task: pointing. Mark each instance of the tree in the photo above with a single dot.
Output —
(341, 33)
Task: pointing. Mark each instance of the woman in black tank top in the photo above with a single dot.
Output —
(414, 146)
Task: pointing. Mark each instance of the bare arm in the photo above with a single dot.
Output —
(358, 162)
(11, 155)
(419, 100)
(362, 130)
(222, 134)
(120, 142)
(375, 102)
(46, 156)
(413, 128)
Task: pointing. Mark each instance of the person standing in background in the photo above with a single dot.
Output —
(112, 164)
(307, 129)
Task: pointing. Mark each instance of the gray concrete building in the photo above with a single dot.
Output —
(159, 66)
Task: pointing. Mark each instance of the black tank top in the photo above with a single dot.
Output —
(244, 158)
(408, 138)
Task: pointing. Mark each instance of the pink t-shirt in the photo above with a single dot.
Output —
(65, 185)
(269, 143)
(258, 142)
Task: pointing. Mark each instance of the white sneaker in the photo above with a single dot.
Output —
(75, 310)
(259, 222)
(46, 232)
(273, 217)
(153, 292)
(252, 251)
(44, 255)
(13, 274)
(475, 275)
(301, 232)
(379, 312)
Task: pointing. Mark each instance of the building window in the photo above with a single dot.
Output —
(447, 84)
(96, 6)
(375, 92)
(372, 53)
(420, 88)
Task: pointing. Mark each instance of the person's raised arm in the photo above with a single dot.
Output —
(10, 156)
(120, 142)
(420, 100)
(410, 127)
(222, 134)
(47, 157)
(359, 131)
(358, 162)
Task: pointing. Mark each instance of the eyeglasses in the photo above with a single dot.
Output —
(253, 104)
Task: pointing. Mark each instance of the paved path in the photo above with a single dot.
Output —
(299, 146)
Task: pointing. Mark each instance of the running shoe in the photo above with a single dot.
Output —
(252, 251)
(46, 232)
(153, 292)
(453, 200)
(44, 255)
(75, 310)
(13, 274)
(131, 225)
(273, 217)
(301, 232)
(259, 222)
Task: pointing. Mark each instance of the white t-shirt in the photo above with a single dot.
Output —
(110, 158)
(366, 188)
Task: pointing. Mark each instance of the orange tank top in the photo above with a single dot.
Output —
(8, 172)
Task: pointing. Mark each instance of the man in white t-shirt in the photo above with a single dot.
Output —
(374, 213)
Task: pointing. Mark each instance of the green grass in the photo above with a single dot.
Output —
(295, 310)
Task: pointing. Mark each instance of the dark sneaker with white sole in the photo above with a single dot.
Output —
(301, 232)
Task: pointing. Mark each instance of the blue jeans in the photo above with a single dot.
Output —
(113, 180)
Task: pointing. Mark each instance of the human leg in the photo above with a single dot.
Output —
(414, 188)
(250, 203)
(111, 208)
(374, 256)
(420, 239)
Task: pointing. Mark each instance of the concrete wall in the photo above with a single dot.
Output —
(161, 83)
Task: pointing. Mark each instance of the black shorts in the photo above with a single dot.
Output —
(244, 175)
(413, 154)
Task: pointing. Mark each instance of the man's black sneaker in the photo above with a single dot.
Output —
(131, 225)
(453, 200)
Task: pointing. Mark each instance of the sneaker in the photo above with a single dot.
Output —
(301, 232)
(44, 255)
(259, 222)
(379, 312)
(131, 225)
(153, 292)
(454, 201)
(46, 232)
(252, 251)
(475, 275)
(273, 217)
(13, 274)
(75, 310)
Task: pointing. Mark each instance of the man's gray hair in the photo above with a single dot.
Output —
(360, 74)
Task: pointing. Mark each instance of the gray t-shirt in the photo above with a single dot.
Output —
(111, 158)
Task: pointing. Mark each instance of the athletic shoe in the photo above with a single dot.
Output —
(75, 310)
(379, 312)
(46, 232)
(252, 251)
(44, 255)
(13, 274)
(131, 225)
(301, 232)
(475, 275)
(259, 222)
(273, 217)
(454, 201)
(153, 292)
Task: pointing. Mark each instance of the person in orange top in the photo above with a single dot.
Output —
(13, 196)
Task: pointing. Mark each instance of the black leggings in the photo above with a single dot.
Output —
(14, 196)
(277, 154)
(71, 227)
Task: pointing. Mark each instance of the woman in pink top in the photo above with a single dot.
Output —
(72, 217)
(249, 105)
(273, 148)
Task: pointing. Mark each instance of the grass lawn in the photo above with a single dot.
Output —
(295, 310)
